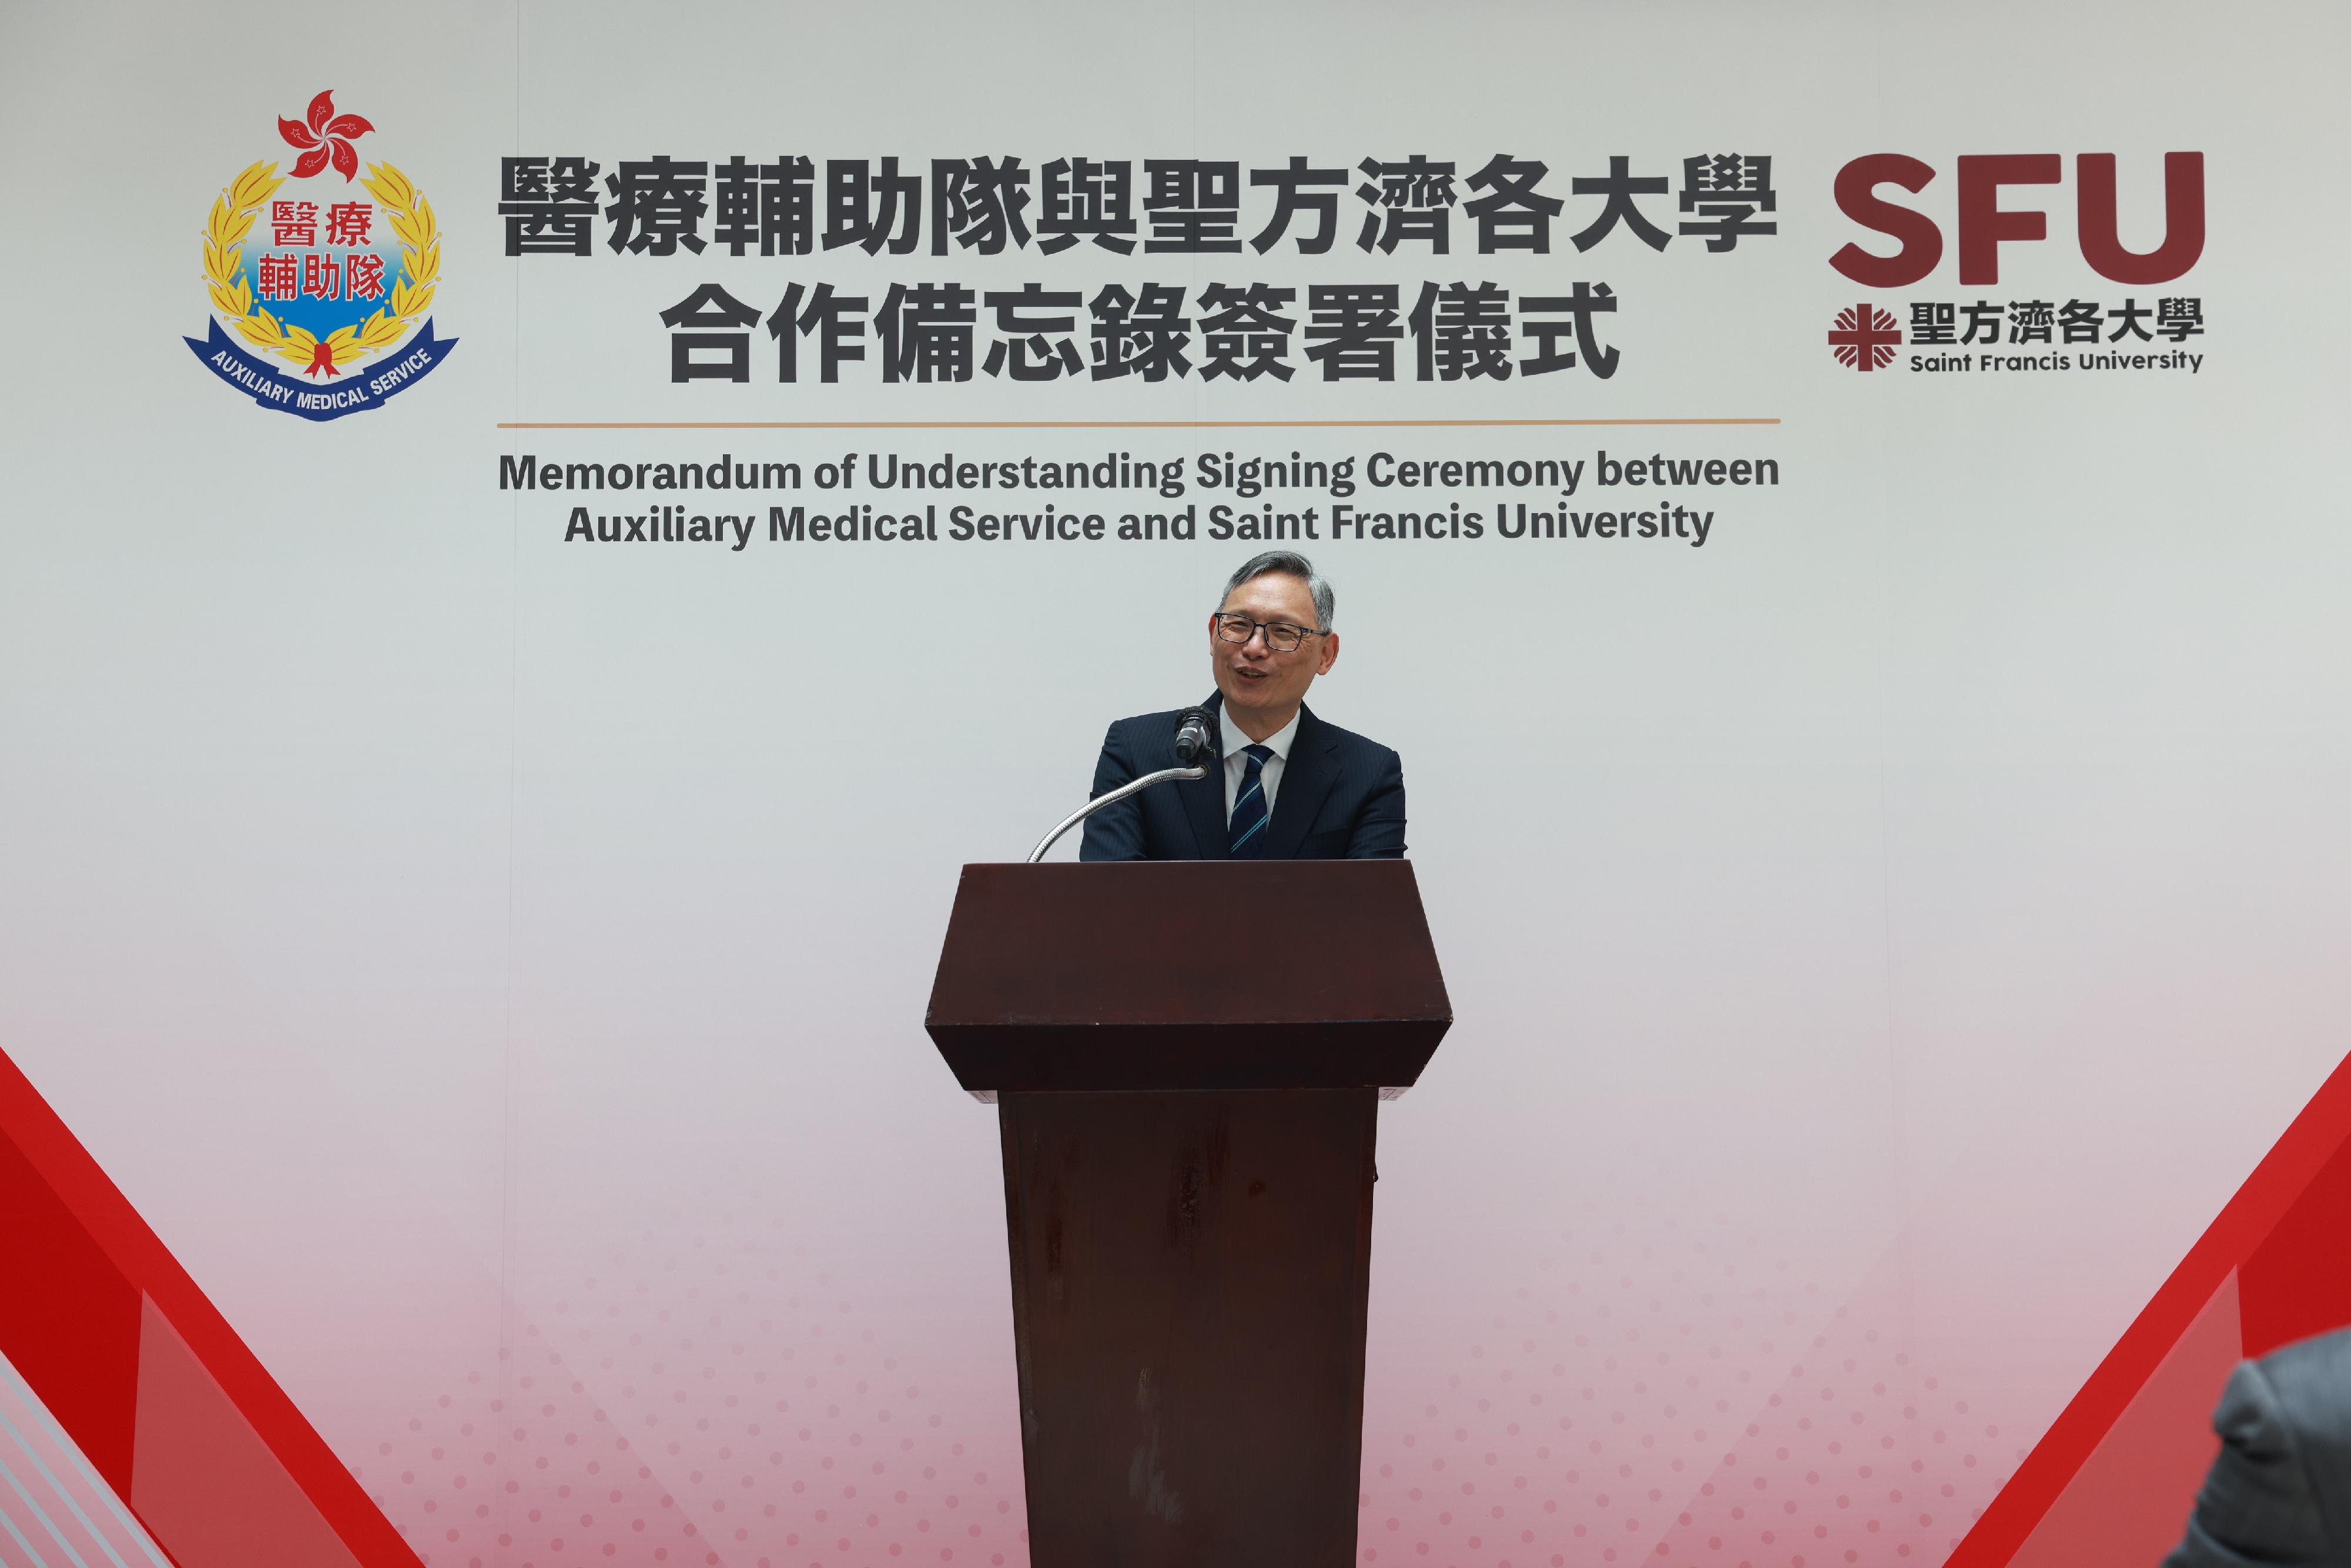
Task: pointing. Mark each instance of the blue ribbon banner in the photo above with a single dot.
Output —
(323, 398)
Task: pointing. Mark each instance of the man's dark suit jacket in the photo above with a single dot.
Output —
(2279, 1493)
(1340, 798)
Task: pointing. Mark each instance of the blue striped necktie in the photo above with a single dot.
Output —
(1247, 840)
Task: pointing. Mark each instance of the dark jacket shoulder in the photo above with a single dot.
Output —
(2279, 1491)
(2310, 1384)
(1348, 741)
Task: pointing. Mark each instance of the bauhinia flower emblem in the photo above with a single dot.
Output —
(327, 138)
(299, 304)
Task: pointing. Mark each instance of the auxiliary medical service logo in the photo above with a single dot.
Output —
(322, 313)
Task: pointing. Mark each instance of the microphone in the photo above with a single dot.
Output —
(1195, 744)
(1194, 739)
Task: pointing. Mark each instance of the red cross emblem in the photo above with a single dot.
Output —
(1864, 338)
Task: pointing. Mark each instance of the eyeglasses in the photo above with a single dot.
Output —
(1281, 636)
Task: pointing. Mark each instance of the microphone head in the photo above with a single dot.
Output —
(1195, 736)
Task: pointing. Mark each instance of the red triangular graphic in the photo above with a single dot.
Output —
(143, 1374)
(2143, 1417)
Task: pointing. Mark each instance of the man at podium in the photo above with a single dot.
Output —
(1283, 785)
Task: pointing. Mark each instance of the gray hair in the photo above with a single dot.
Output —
(1289, 563)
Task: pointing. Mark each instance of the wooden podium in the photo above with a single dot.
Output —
(1187, 1059)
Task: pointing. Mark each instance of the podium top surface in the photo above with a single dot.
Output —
(1188, 974)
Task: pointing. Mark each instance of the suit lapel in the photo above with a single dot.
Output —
(1306, 778)
(1203, 799)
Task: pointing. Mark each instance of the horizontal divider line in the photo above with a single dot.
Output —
(1096, 423)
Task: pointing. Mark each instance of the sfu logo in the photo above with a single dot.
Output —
(1984, 224)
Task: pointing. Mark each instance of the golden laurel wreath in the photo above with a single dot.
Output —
(410, 216)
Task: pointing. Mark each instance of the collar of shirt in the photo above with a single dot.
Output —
(1236, 762)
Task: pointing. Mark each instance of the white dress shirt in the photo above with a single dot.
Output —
(1236, 763)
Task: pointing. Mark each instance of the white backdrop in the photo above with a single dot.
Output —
(1925, 901)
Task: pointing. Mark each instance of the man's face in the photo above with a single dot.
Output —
(1257, 681)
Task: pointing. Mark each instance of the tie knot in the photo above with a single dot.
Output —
(1259, 754)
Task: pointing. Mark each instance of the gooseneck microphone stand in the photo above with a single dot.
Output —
(1191, 742)
(1098, 801)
